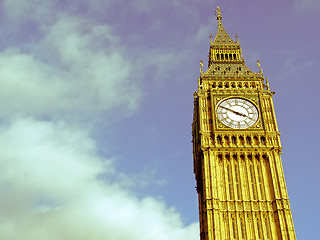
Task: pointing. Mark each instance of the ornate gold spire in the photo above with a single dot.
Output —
(225, 56)
(218, 14)
(222, 36)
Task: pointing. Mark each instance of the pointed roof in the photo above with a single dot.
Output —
(225, 56)
(222, 36)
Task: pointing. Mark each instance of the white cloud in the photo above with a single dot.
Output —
(76, 70)
(50, 190)
(51, 182)
(44, 11)
(18, 9)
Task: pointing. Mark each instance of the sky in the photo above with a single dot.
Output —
(96, 106)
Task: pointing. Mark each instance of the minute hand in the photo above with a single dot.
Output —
(235, 112)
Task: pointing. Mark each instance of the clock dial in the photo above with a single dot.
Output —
(237, 113)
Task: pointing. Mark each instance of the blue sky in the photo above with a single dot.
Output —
(96, 102)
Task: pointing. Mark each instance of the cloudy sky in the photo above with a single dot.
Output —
(96, 110)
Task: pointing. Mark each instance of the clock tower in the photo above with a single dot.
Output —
(237, 150)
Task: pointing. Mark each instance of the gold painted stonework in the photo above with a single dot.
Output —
(240, 180)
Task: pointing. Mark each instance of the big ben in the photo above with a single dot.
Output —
(237, 151)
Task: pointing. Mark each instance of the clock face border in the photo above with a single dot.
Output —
(230, 125)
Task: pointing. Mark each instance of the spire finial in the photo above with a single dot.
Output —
(259, 66)
(237, 38)
(218, 14)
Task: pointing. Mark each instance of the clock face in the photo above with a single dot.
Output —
(237, 113)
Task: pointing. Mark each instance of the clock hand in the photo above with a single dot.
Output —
(235, 112)
(251, 118)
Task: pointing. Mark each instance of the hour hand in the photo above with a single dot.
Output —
(235, 112)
